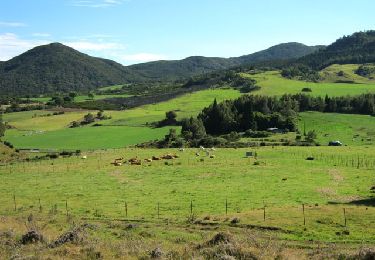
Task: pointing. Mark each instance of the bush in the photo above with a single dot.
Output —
(306, 90)
(232, 136)
(8, 144)
(257, 134)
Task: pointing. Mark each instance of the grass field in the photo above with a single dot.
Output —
(125, 128)
(331, 74)
(80, 98)
(349, 129)
(283, 181)
(272, 83)
(275, 206)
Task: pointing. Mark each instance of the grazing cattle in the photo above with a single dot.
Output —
(197, 154)
(154, 158)
(202, 148)
(212, 156)
(181, 150)
(117, 163)
(84, 157)
(148, 160)
(169, 156)
(135, 161)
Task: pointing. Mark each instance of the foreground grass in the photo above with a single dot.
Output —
(282, 181)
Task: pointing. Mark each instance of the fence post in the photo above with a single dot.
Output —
(264, 211)
(126, 209)
(226, 206)
(14, 200)
(40, 206)
(344, 216)
(66, 207)
(304, 218)
(158, 210)
(191, 207)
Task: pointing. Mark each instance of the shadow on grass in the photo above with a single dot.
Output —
(369, 202)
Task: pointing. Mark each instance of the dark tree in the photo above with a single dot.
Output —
(2, 126)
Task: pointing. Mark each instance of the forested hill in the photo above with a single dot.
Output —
(357, 48)
(56, 67)
(284, 51)
(196, 65)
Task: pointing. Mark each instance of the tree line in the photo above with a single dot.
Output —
(254, 114)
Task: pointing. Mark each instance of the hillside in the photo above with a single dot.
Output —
(282, 51)
(196, 65)
(58, 68)
(354, 49)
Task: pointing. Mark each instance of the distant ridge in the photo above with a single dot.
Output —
(357, 48)
(198, 65)
(57, 68)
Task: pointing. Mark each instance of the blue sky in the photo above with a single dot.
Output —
(134, 31)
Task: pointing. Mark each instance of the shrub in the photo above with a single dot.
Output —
(257, 134)
(306, 90)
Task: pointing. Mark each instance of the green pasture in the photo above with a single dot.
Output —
(273, 84)
(125, 128)
(349, 129)
(281, 180)
(345, 72)
(81, 98)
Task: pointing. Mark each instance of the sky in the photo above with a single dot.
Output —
(136, 31)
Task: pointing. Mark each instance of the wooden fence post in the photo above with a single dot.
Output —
(14, 200)
(126, 209)
(264, 211)
(304, 218)
(158, 210)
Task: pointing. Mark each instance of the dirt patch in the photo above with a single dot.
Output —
(327, 192)
(335, 175)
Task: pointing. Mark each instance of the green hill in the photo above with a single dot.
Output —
(196, 65)
(55, 68)
(58, 68)
(357, 48)
(284, 51)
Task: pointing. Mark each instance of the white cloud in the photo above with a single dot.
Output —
(94, 46)
(96, 3)
(11, 45)
(12, 24)
(142, 57)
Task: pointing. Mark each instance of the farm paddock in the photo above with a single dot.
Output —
(231, 205)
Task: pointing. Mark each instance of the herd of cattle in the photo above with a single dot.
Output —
(136, 161)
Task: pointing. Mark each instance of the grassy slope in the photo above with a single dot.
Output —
(125, 127)
(349, 129)
(330, 74)
(79, 98)
(96, 188)
(272, 83)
